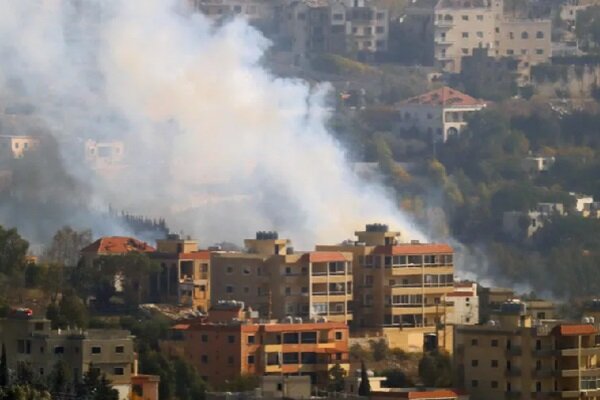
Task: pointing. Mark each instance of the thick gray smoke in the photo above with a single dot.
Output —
(213, 141)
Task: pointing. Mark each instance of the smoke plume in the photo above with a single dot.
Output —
(213, 141)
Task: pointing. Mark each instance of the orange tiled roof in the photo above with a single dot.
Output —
(117, 245)
(444, 96)
(324, 256)
(409, 249)
(578, 329)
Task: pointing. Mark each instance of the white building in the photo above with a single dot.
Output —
(534, 164)
(582, 201)
(465, 301)
(439, 114)
(16, 146)
(101, 155)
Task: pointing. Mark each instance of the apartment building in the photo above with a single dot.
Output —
(463, 25)
(277, 281)
(16, 146)
(400, 286)
(104, 155)
(438, 114)
(184, 276)
(252, 10)
(511, 358)
(465, 304)
(223, 347)
(347, 27)
(32, 342)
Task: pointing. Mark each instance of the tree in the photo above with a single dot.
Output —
(364, 389)
(3, 367)
(95, 386)
(13, 249)
(336, 378)
(60, 380)
(66, 245)
(188, 384)
(380, 349)
(395, 378)
(435, 369)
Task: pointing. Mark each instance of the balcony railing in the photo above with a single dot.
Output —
(585, 351)
(514, 351)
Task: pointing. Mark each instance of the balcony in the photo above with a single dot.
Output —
(513, 372)
(443, 42)
(573, 373)
(443, 23)
(586, 351)
(544, 373)
(514, 351)
(544, 353)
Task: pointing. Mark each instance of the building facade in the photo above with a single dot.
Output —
(465, 304)
(277, 281)
(31, 342)
(461, 26)
(16, 146)
(398, 285)
(438, 114)
(223, 348)
(511, 358)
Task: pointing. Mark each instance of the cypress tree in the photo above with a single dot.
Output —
(3, 367)
(364, 389)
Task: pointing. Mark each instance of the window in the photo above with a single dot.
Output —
(524, 52)
(538, 365)
(309, 337)
(250, 359)
(338, 17)
(42, 371)
(290, 358)
(288, 270)
(474, 383)
(229, 270)
(246, 271)
(539, 51)
(119, 371)
(494, 363)
(479, 34)
(230, 339)
(380, 29)
(539, 35)
(120, 349)
(39, 326)
(511, 35)
(494, 385)
(524, 35)
(288, 291)
(246, 289)
(308, 358)
(465, 17)
(538, 344)
(228, 289)
(494, 343)
(250, 339)
(368, 280)
(497, 30)
(59, 350)
(474, 342)
(204, 359)
(465, 51)
(339, 335)
(510, 52)
(465, 34)
(96, 350)
(204, 338)
(474, 363)
(538, 386)
(290, 338)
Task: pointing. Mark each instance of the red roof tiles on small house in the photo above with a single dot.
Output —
(444, 96)
(118, 245)
(575, 330)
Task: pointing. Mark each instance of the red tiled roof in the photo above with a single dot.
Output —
(416, 249)
(574, 330)
(460, 294)
(324, 256)
(181, 327)
(444, 96)
(117, 245)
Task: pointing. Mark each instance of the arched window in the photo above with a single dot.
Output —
(524, 35)
(539, 35)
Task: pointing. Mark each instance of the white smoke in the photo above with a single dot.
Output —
(214, 142)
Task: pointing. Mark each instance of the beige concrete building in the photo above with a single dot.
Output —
(104, 155)
(438, 114)
(250, 9)
(16, 146)
(275, 280)
(464, 303)
(509, 358)
(463, 25)
(32, 342)
(400, 288)
(184, 276)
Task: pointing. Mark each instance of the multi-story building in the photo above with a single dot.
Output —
(16, 146)
(439, 114)
(277, 281)
(252, 10)
(184, 276)
(399, 285)
(463, 25)
(347, 27)
(222, 348)
(465, 304)
(511, 358)
(31, 342)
